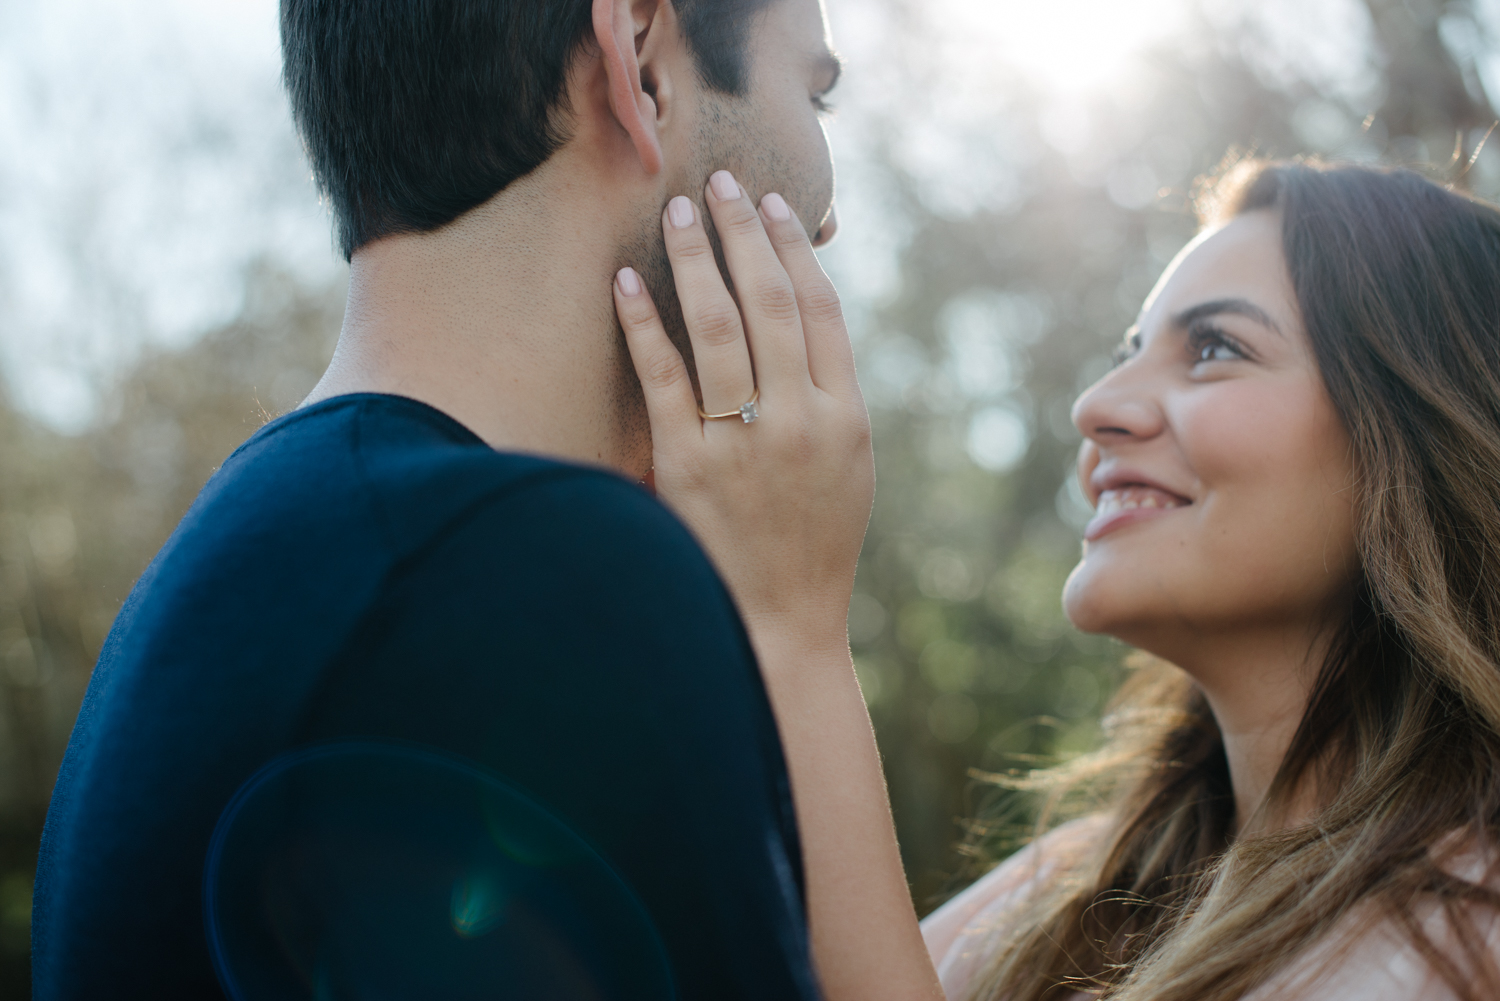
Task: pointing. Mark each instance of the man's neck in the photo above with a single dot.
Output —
(503, 320)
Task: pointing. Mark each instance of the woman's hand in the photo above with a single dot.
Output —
(780, 503)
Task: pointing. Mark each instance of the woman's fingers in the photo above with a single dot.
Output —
(767, 298)
(830, 355)
(787, 322)
(708, 310)
(670, 404)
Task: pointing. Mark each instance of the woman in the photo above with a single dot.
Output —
(1296, 474)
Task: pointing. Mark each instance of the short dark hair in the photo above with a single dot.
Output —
(415, 111)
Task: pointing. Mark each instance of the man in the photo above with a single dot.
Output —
(406, 706)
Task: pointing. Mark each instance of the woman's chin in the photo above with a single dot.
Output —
(1092, 605)
(1078, 599)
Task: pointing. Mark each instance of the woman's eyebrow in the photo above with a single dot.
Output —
(1239, 307)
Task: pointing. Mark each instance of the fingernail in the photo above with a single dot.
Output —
(680, 212)
(726, 188)
(775, 207)
(629, 281)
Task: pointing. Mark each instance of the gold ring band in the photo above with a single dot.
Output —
(746, 411)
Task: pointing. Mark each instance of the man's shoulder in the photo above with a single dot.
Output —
(364, 450)
(382, 473)
(319, 511)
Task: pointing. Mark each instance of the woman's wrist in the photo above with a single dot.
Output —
(784, 641)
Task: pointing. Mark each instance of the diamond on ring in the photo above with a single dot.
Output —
(748, 413)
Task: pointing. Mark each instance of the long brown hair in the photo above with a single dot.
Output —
(1398, 280)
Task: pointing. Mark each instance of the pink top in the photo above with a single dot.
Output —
(1380, 964)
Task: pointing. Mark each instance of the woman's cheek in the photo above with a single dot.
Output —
(1277, 511)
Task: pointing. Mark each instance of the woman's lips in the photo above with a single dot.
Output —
(1123, 506)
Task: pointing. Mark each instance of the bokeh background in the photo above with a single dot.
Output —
(1013, 177)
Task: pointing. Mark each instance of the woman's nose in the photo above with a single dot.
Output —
(1123, 406)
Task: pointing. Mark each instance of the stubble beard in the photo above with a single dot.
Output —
(646, 252)
(726, 137)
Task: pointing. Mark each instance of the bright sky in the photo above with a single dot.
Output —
(146, 158)
(1066, 48)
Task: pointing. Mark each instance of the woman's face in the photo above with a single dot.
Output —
(1218, 469)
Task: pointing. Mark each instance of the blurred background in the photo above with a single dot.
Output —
(1013, 177)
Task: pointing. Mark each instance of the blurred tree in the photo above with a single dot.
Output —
(80, 517)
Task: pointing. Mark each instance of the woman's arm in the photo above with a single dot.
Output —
(866, 942)
(781, 506)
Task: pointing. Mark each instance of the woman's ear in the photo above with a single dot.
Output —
(618, 27)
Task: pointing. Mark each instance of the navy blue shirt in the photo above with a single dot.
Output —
(393, 714)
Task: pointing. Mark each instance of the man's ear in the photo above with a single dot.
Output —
(615, 29)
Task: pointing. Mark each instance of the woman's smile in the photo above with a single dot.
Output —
(1128, 505)
(1125, 496)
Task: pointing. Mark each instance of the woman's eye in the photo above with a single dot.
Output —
(822, 105)
(1214, 345)
(1127, 349)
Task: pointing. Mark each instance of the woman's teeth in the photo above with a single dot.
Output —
(1129, 498)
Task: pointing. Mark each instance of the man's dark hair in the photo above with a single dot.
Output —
(415, 111)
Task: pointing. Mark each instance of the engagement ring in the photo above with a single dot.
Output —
(746, 412)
